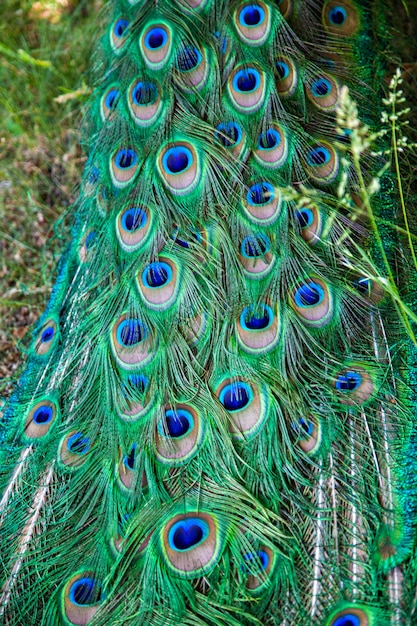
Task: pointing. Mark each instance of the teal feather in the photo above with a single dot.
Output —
(215, 425)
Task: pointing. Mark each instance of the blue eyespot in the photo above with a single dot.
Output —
(188, 59)
(321, 87)
(304, 427)
(111, 98)
(309, 294)
(246, 80)
(177, 160)
(178, 422)
(347, 620)
(228, 133)
(363, 285)
(252, 15)
(338, 16)
(187, 534)
(261, 555)
(236, 396)
(144, 93)
(283, 69)
(134, 218)
(120, 27)
(255, 246)
(157, 274)
(129, 459)
(269, 139)
(256, 317)
(85, 591)
(223, 42)
(48, 334)
(89, 240)
(126, 158)
(318, 156)
(156, 38)
(43, 414)
(260, 193)
(349, 381)
(78, 444)
(138, 383)
(305, 217)
(131, 332)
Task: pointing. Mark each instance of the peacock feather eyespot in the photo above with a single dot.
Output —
(124, 166)
(258, 567)
(179, 166)
(157, 275)
(228, 134)
(156, 45)
(159, 283)
(254, 246)
(363, 286)
(322, 163)
(354, 615)
(134, 389)
(247, 89)
(286, 8)
(348, 381)
(256, 317)
(74, 449)
(354, 384)
(130, 332)
(47, 337)
(340, 17)
(126, 470)
(323, 92)
(131, 342)
(179, 434)
(81, 598)
(191, 543)
(255, 256)
(133, 227)
(178, 423)
(312, 301)
(236, 396)
(109, 102)
(309, 294)
(287, 78)
(118, 34)
(253, 23)
(192, 67)
(145, 103)
(129, 459)
(272, 148)
(86, 244)
(231, 136)
(310, 222)
(369, 289)
(136, 384)
(262, 203)
(309, 433)
(247, 406)
(258, 328)
(40, 418)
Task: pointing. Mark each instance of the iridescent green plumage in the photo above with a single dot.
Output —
(211, 429)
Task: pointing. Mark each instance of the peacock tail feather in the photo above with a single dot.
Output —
(216, 422)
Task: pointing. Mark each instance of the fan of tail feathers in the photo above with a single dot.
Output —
(213, 426)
